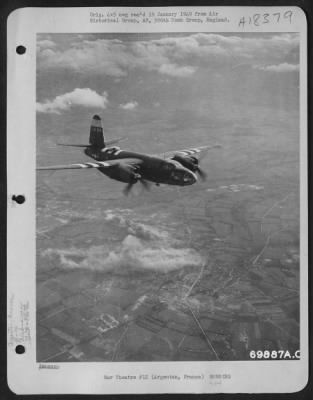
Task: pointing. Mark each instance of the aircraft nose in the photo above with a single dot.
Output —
(190, 178)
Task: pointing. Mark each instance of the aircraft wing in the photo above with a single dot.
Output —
(194, 151)
(93, 164)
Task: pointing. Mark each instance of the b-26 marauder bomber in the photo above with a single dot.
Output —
(179, 168)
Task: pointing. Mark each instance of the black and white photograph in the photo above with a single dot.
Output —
(164, 223)
(168, 226)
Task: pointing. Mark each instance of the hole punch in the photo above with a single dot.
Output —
(21, 49)
(19, 199)
(20, 349)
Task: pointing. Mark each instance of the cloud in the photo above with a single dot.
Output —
(283, 67)
(133, 253)
(108, 57)
(178, 56)
(45, 43)
(121, 217)
(175, 70)
(129, 106)
(145, 247)
(78, 97)
(146, 232)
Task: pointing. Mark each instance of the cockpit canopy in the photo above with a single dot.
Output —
(170, 165)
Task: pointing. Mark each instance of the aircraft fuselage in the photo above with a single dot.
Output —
(152, 168)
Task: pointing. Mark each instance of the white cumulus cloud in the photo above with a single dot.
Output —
(283, 67)
(45, 44)
(177, 55)
(144, 246)
(132, 253)
(129, 106)
(84, 97)
(175, 70)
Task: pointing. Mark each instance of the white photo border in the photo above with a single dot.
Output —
(25, 375)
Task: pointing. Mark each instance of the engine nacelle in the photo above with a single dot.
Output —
(122, 173)
(188, 162)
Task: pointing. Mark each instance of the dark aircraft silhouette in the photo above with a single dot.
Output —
(171, 168)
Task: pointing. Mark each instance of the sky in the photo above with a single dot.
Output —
(136, 72)
(165, 91)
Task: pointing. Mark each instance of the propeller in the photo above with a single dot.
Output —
(201, 173)
(145, 184)
(136, 178)
(128, 188)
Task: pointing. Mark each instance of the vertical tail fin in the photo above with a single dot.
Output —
(96, 138)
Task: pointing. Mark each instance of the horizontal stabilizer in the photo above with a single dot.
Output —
(73, 145)
(118, 140)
